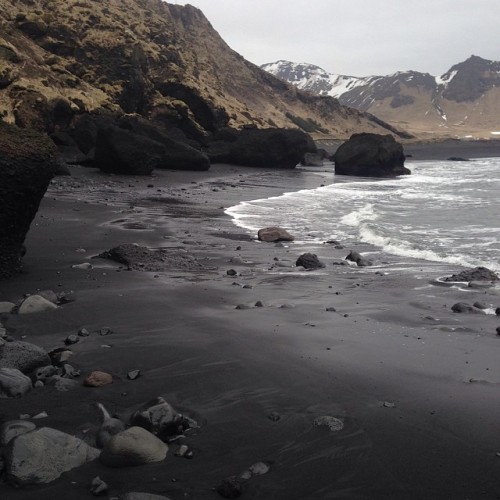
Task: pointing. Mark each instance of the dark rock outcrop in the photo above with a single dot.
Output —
(274, 234)
(309, 261)
(27, 164)
(176, 155)
(139, 258)
(252, 147)
(463, 307)
(476, 274)
(120, 151)
(370, 155)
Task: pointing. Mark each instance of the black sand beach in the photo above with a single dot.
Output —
(415, 384)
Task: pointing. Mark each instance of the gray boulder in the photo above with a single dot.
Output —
(41, 456)
(6, 307)
(24, 356)
(370, 155)
(14, 428)
(13, 383)
(463, 307)
(134, 446)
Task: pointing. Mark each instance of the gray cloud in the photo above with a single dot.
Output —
(359, 37)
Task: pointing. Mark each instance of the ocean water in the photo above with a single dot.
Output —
(445, 212)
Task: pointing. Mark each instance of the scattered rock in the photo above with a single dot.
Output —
(388, 404)
(105, 331)
(274, 234)
(331, 309)
(69, 371)
(62, 384)
(71, 339)
(463, 307)
(243, 307)
(259, 303)
(49, 295)
(39, 416)
(370, 155)
(60, 355)
(457, 158)
(133, 374)
(257, 469)
(42, 455)
(83, 332)
(182, 450)
(84, 265)
(230, 487)
(480, 305)
(497, 311)
(333, 424)
(98, 487)
(309, 261)
(36, 304)
(98, 379)
(339, 262)
(358, 259)
(14, 428)
(134, 446)
(158, 416)
(476, 274)
(43, 373)
(498, 330)
(231, 272)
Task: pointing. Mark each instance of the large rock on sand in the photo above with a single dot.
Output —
(274, 234)
(271, 148)
(41, 456)
(370, 155)
(23, 356)
(309, 261)
(36, 304)
(27, 164)
(134, 446)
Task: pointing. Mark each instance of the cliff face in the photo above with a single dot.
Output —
(165, 62)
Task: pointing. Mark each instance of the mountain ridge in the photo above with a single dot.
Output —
(464, 101)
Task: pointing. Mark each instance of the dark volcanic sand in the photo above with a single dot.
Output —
(393, 339)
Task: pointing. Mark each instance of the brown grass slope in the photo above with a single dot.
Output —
(61, 58)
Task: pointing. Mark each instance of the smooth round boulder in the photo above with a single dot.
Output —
(36, 304)
(274, 234)
(134, 446)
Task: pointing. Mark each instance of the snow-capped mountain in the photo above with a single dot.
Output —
(464, 101)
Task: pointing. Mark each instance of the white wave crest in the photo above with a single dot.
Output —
(356, 218)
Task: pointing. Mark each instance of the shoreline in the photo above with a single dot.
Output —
(391, 340)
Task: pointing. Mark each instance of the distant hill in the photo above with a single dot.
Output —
(60, 59)
(465, 101)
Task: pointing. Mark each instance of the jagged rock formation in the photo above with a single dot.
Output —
(464, 101)
(63, 60)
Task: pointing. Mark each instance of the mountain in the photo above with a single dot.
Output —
(465, 101)
(59, 60)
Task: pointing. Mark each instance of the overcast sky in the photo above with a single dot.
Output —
(359, 37)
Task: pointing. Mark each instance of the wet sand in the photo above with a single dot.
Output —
(415, 384)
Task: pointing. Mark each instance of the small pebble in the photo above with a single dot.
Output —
(388, 404)
(71, 339)
(83, 332)
(132, 375)
(38, 416)
(98, 487)
(274, 416)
